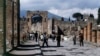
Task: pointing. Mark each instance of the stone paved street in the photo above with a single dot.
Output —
(67, 49)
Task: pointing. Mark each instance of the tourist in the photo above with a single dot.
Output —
(36, 36)
(53, 37)
(30, 36)
(41, 37)
(58, 40)
(33, 36)
(74, 40)
(45, 39)
(81, 38)
(24, 37)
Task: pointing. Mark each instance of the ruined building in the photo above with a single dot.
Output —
(40, 22)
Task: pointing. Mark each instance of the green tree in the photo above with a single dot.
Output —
(91, 15)
(78, 16)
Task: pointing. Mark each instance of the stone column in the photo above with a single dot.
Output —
(91, 32)
(89, 29)
(98, 36)
(93, 35)
(85, 33)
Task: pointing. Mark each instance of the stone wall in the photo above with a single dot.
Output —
(9, 21)
(98, 36)
(49, 26)
(65, 26)
(91, 35)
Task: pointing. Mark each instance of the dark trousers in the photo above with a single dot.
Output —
(58, 43)
(36, 39)
(74, 42)
(45, 42)
(81, 43)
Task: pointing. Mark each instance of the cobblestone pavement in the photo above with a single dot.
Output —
(67, 49)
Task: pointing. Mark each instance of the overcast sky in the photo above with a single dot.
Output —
(64, 8)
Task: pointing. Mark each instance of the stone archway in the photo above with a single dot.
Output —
(36, 23)
(36, 19)
(44, 22)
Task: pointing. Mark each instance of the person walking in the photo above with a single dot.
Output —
(74, 40)
(41, 37)
(58, 40)
(45, 40)
(33, 36)
(81, 38)
(53, 37)
(30, 36)
(36, 36)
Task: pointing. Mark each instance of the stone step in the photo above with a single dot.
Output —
(25, 52)
(28, 48)
(35, 45)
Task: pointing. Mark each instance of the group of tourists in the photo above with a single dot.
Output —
(54, 36)
(44, 37)
(80, 38)
(30, 36)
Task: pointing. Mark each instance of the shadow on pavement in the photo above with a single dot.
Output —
(50, 46)
(48, 50)
(53, 55)
(37, 54)
(29, 45)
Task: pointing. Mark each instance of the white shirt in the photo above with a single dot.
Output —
(41, 36)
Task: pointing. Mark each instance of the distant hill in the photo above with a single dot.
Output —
(50, 15)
